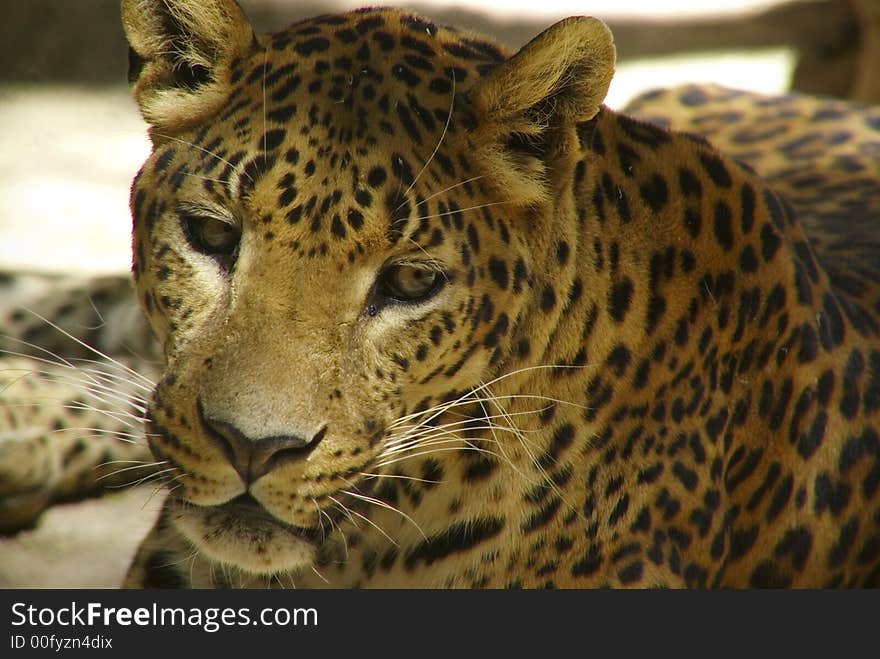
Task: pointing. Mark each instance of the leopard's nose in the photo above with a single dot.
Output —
(252, 457)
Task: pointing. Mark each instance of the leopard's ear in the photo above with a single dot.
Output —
(558, 79)
(180, 56)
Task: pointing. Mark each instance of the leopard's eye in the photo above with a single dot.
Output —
(212, 236)
(407, 282)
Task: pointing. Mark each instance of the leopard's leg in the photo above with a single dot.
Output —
(75, 367)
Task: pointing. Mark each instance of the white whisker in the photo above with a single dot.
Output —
(203, 150)
(436, 148)
(386, 506)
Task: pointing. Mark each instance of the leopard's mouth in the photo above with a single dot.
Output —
(243, 534)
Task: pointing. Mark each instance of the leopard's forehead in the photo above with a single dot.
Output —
(335, 122)
(366, 76)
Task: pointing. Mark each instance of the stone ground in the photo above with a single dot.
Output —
(80, 545)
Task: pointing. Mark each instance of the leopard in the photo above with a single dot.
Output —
(429, 314)
(76, 362)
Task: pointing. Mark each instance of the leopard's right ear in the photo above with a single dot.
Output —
(180, 56)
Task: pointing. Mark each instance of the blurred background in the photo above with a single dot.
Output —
(71, 139)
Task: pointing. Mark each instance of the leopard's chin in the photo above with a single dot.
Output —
(241, 534)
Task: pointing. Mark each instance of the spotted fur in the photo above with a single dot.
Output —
(68, 414)
(637, 363)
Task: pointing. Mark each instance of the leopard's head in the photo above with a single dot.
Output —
(343, 233)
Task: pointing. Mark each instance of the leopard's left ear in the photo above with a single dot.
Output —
(559, 78)
(180, 55)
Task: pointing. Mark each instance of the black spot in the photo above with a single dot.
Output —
(622, 204)
(628, 157)
(548, 299)
(642, 521)
(781, 406)
(723, 226)
(562, 438)
(748, 260)
(312, 46)
(810, 440)
(417, 61)
(692, 221)
(780, 499)
(498, 272)
(620, 299)
(290, 85)
(655, 193)
(805, 256)
(642, 132)
(281, 72)
(695, 576)
(832, 329)
(809, 345)
(828, 495)
(282, 115)
(693, 96)
(363, 197)
(376, 177)
(741, 542)
(716, 169)
(440, 86)
(401, 169)
(797, 544)
(543, 516)
(631, 573)
(384, 39)
(841, 548)
(619, 359)
(164, 160)
(687, 477)
(619, 510)
(480, 469)
(337, 228)
(589, 564)
(856, 448)
(774, 304)
(767, 575)
(770, 479)
(688, 261)
(456, 538)
(681, 332)
(651, 474)
(775, 209)
(690, 184)
(850, 396)
(346, 35)
(253, 171)
(747, 203)
(749, 463)
(355, 219)
(405, 75)
(770, 242)
(407, 122)
(562, 251)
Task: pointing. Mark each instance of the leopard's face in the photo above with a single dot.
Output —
(332, 264)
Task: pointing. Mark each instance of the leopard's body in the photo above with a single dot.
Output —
(432, 316)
